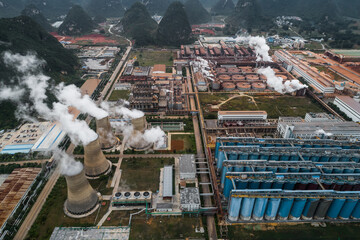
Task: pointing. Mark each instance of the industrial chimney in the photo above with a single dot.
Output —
(81, 197)
(95, 163)
(139, 124)
(103, 129)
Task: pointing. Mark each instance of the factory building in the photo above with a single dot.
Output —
(187, 167)
(297, 128)
(167, 182)
(235, 116)
(190, 199)
(289, 180)
(321, 83)
(349, 106)
(321, 117)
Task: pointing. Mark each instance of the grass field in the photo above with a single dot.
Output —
(183, 143)
(52, 214)
(165, 228)
(119, 94)
(295, 232)
(275, 106)
(142, 173)
(149, 58)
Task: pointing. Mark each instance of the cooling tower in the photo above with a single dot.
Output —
(103, 129)
(81, 197)
(95, 163)
(139, 124)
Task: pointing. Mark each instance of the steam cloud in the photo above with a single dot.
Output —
(322, 132)
(68, 165)
(262, 54)
(32, 80)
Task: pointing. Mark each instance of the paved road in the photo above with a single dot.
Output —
(136, 155)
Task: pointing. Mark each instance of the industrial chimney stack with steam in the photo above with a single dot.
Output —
(82, 198)
(95, 162)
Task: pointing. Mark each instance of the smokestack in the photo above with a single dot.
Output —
(94, 160)
(81, 198)
(103, 129)
(139, 124)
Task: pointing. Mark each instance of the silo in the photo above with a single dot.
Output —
(310, 208)
(297, 208)
(252, 77)
(139, 124)
(95, 163)
(215, 85)
(81, 197)
(238, 77)
(285, 207)
(322, 208)
(234, 210)
(103, 129)
(356, 212)
(244, 87)
(247, 208)
(228, 86)
(272, 208)
(258, 86)
(335, 208)
(224, 77)
(234, 70)
(259, 208)
(348, 208)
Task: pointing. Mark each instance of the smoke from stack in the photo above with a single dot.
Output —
(68, 165)
(94, 160)
(262, 54)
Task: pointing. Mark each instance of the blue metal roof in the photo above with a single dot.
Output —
(21, 148)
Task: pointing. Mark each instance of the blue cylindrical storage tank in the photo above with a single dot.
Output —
(220, 160)
(272, 208)
(310, 208)
(314, 158)
(306, 157)
(284, 158)
(274, 157)
(304, 170)
(259, 208)
(334, 159)
(264, 157)
(233, 156)
(234, 210)
(294, 158)
(337, 170)
(273, 169)
(285, 207)
(217, 145)
(243, 156)
(327, 170)
(355, 159)
(349, 170)
(223, 175)
(254, 156)
(247, 169)
(238, 169)
(228, 187)
(241, 185)
(297, 208)
(356, 212)
(260, 169)
(282, 169)
(293, 169)
(265, 185)
(335, 208)
(323, 208)
(357, 170)
(289, 185)
(348, 208)
(247, 208)
(254, 185)
(324, 158)
(277, 185)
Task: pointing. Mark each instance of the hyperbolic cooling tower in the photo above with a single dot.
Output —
(95, 163)
(81, 198)
(139, 124)
(103, 129)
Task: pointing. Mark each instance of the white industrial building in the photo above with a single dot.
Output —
(321, 117)
(190, 199)
(167, 182)
(234, 116)
(349, 106)
(187, 167)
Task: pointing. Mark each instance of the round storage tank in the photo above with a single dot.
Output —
(228, 86)
(276, 70)
(215, 85)
(246, 69)
(233, 70)
(252, 77)
(263, 77)
(224, 78)
(243, 86)
(238, 77)
(221, 70)
(258, 86)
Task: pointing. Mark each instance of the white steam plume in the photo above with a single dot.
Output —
(35, 82)
(155, 135)
(277, 84)
(261, 48)
(129, 113)
(71, 96)
(322, 132)
(68, 165)
(11, 93)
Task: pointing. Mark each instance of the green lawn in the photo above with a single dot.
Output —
(149, 58)
(294, 232)
(275, 106)
(52, 214)
(119, 94)
(142, 174)
(165, 228)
